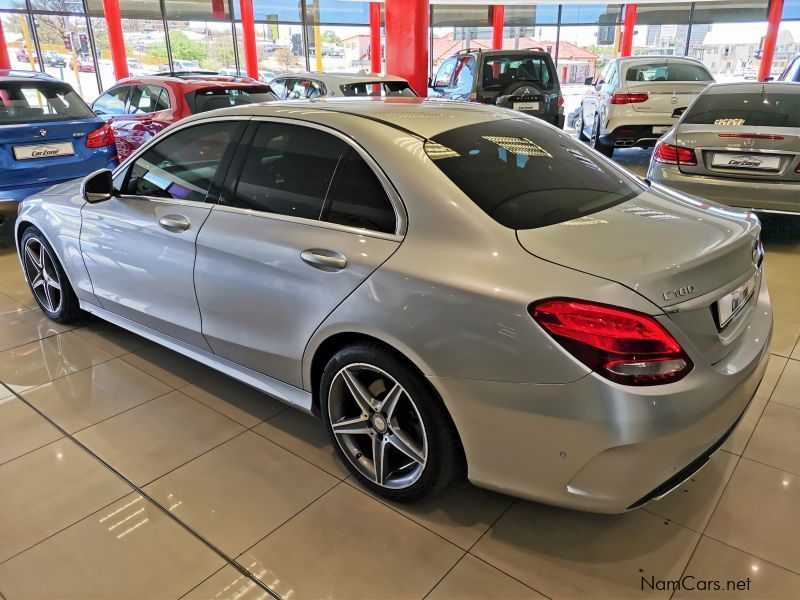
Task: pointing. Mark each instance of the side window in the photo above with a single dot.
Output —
(358, 198)
(279, 87)
(794, 73)
(160, 97)
(464, 74)
(445, 73)
(146, 99)
(112, 102)
(288, 170)
(611, 76)
(315, 89)
(181, 166)
(604, 74)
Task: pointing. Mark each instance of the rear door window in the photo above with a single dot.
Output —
(667, 71)
(112, 102)
(147, 99)
(525, 175)
(385, 89)
(745, 110)
(501, 71)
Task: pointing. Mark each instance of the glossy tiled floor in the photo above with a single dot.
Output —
(129, 471)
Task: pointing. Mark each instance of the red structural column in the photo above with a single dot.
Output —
(768, 51)
(498, 23)
(116, 42)
(375, 60)
(407, 41)
(627, 34)
(249, 38)
(5, 63)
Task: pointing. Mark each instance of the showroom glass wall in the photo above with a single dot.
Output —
(72, 38)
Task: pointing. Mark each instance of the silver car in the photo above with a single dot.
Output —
(737, 144)
(449, 287)
(309, 85)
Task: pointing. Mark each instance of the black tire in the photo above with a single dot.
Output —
(66, 308)
(444, 457)
(595, 142)
(579, 126)
(517, 89)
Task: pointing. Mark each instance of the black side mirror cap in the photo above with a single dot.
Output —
(588, 81)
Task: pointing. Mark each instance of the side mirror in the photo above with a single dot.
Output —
(588, 81)
(98, 187)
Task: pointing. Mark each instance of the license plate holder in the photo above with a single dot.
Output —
(733, 302)
(526, 106)
(43, 150)
(756, 162)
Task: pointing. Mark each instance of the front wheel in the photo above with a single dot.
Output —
(390, 429)
(595, 142)
(579, 126)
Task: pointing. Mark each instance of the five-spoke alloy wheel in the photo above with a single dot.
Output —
(46, 278)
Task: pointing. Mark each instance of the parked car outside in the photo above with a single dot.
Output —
(525, 80)
(306, 85)
(22, 56)
(425, 277)
(792, 71)
(137, 108)
(265, 76)
(635, 100)
(48, 135)
(54, 59)
(86, 65)
(737, 144)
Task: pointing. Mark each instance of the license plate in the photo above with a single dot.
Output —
(45, 150)
(759, 162)
(732, 303)
(661, 129)
(526, 106)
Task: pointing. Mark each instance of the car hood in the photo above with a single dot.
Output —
(668, 247)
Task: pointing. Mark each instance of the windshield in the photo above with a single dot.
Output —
(219, 97)
(743, 110)
(671, 71)
(35, 102)
(525, 175)
(384, 89)
(501, 71)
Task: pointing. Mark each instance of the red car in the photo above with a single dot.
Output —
(85, 65)
(137, 108)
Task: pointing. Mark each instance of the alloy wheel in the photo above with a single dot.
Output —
(377, 425)
(42, 275)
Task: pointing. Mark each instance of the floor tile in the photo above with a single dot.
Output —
(239, 492)
(569, 554)
(399, 558)
(20, 292)
(25, 326)
(242, 403)
(11, 274)
(772, 374)
(94, 394)
(787, 391)
(718, 562)
(473, 579)
(112, 339)
(228, 584)
(22, 429)
(737, 441)
(8, 304)
(784, 337)
(786, 306)
(152, 439)
(758, 514)
(305, 436)
(692, 504)
(130, 549)
(39, 362)
(49, 489)
(776, 440)
(461, 514)
(167, 365)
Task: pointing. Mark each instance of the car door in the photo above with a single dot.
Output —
(139, 247)
(444, 76)
(143, 117)
(304, 218)
(590, 100)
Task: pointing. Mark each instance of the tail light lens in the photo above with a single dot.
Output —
(622, 345)
(674, 155)
(100, 137)
(627, 98)
(560, 100)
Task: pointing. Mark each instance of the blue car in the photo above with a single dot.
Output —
(47, 135)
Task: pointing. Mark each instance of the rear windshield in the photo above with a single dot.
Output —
(745, 110)
(667, 72)
(501, 71)
(219, 97)
(525, 175)
(387, 88)
(36, 102)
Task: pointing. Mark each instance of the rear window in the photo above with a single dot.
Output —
(35, 102)
(220, 97)
(745, 110)
(526, 175)
(667, 72)
(386, 88)
(501, 71)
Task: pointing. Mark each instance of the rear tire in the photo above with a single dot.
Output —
(374, 403)
(579, 126)
(595, 142)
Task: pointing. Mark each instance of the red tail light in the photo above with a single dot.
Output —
(622, 345)
(627, 98)
(674, 155)
(560, 100)
(100, 137)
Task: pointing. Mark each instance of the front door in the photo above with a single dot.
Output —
(139, 248)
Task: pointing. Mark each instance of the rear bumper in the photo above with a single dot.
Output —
(597, 446)
(627, 136)
(759, 195)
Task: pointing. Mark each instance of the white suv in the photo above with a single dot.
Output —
(637, 99)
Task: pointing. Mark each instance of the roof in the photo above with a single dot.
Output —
(14, 74)
(446, 46)
(332, 78)
(192, 81)
(753, 87)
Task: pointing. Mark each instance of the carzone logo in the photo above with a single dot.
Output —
(43, 151)
(744, 161)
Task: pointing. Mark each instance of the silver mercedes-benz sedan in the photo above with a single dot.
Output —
(737, 144)
(447, 286)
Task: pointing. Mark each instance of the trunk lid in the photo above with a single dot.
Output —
(665, 97)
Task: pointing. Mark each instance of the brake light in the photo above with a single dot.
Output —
(100, 137)
(560, 100)
(627, 98)
(622, 345)
(751, 136)
(674, 155)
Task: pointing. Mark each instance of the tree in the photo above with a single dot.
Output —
(182, 48)
(330, 37)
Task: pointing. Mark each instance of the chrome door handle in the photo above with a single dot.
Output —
(174, 223)
(325, 260)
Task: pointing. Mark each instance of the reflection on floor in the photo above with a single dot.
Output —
(239, 492)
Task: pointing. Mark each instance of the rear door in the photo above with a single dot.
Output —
(303, 220)
(670, 86)
(140, 121)
(110, 107)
